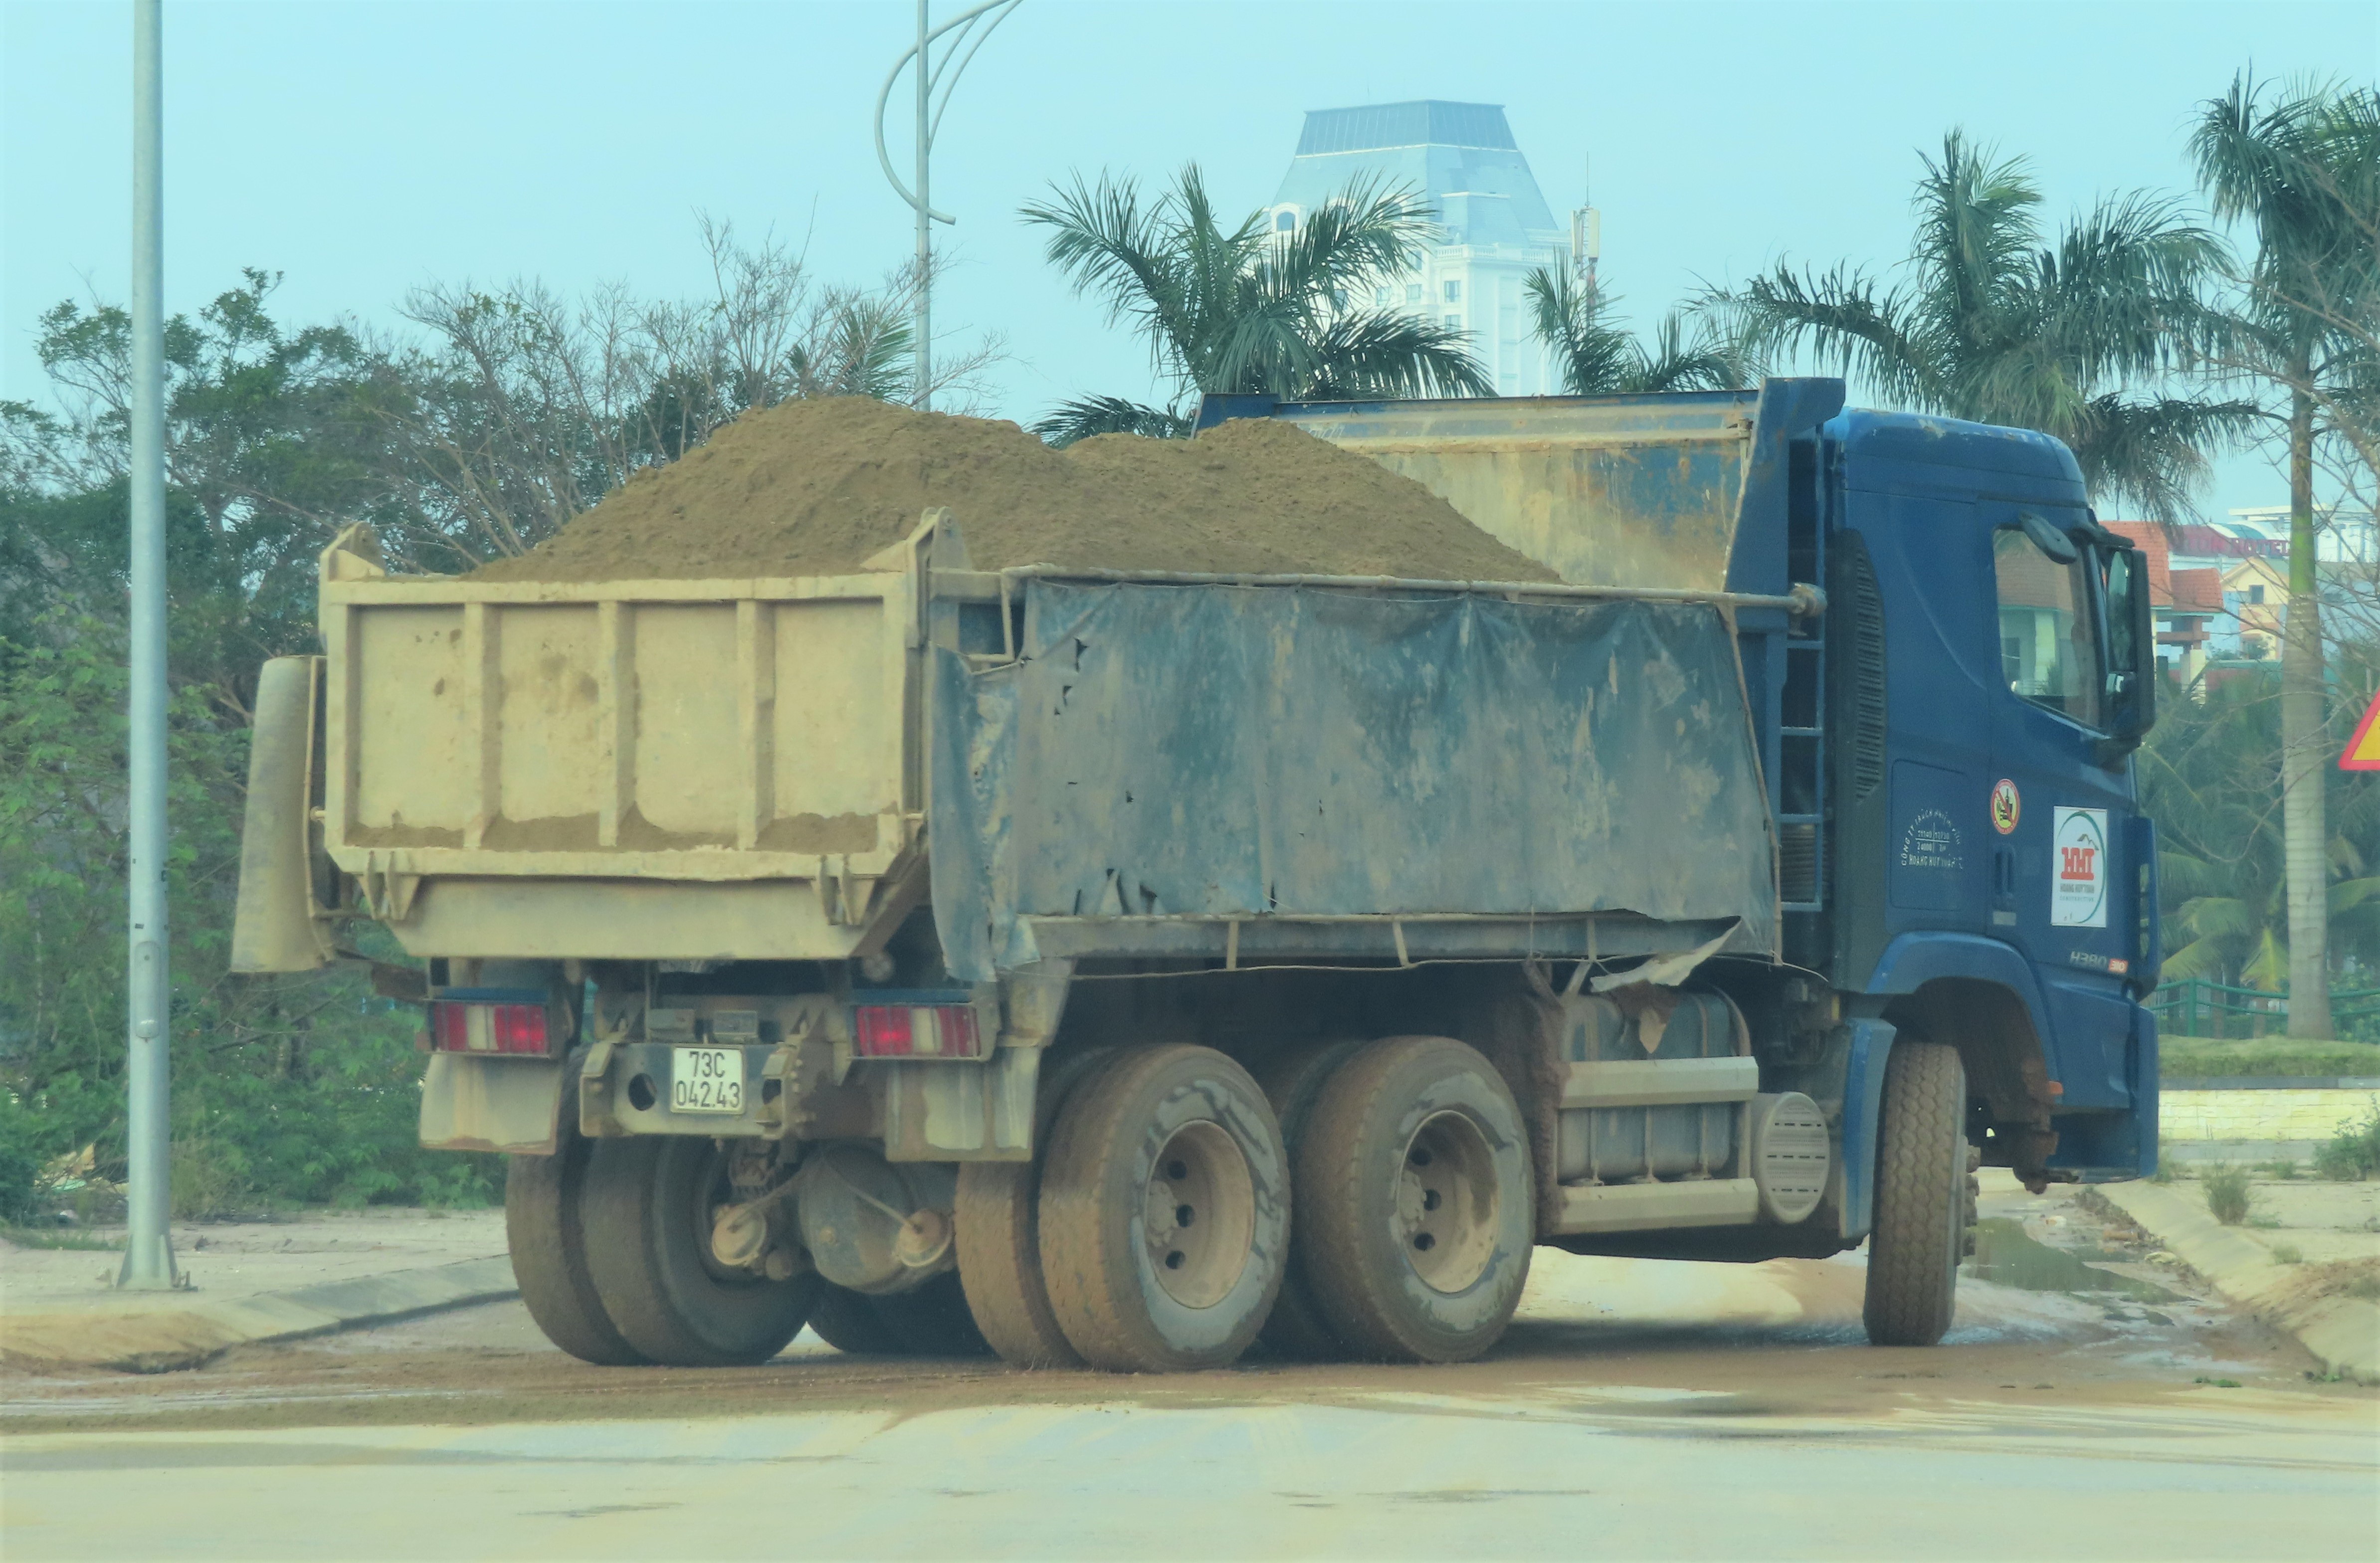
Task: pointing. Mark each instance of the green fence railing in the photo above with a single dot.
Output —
(2202, 1007)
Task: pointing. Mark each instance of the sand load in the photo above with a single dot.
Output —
(816, 487)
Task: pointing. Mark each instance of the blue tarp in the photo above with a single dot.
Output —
(1252, 751)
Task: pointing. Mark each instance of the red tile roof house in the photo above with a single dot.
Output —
(2185, 603)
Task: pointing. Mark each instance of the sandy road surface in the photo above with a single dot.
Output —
(1636, 1412)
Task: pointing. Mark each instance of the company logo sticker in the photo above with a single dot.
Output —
(1932, 842)
(2006, 806)
(2078, 855)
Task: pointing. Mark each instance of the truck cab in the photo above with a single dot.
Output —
(1994, 882)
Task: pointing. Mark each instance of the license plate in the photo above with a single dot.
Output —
(706, 1080)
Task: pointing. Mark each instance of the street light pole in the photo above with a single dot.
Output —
(149, 1250)
(924, 381)
(962, 32)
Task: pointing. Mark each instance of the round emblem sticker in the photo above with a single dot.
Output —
(2006, 806)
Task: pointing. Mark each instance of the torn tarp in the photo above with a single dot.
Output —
(1256, 751)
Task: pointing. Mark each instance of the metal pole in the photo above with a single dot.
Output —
(925, 387)
(989, 14)
(149, 1250)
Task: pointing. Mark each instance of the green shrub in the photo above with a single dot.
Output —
(23, 1148)
(2227, 1194)
(2352, 1152)
(2287, 1253)
(299, 1089)
(2284, 1169)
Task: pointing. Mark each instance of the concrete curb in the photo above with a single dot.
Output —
(166, 1339)
(2344, 1332)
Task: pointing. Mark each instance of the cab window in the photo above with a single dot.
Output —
(2050, 651)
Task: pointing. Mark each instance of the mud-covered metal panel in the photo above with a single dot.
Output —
(1247, 752)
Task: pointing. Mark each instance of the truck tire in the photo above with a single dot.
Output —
(1921, 1209)
(1293, 1081)
(647, 1213)
(847, 1321)
(1415, 1211)
(549, 1250)
(1000, 1236)
(933, 1320)
(1164, 1212)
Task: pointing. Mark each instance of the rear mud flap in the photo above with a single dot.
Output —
(512, 1105)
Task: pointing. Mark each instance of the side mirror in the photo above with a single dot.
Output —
(2131, 655)
(2048, 539)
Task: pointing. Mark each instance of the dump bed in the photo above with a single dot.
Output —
(1105, 763)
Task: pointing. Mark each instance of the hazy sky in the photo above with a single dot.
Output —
(363, 149)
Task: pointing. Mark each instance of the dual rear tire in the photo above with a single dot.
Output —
(1163, 1212)
(1415, 1209)
(647, 1213)
(1162, 1232)
(1155, 1235)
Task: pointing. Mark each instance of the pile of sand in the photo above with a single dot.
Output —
(816, 487)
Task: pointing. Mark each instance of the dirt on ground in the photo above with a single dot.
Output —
(1777, 1339)
(817, 487)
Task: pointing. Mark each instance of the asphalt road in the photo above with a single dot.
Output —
(1636, 1411)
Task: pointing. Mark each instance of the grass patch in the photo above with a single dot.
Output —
(2227, 1194)
(2199, 1058)
(2287, 1253)
(59, 1237)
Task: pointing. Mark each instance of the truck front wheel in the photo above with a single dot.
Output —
(1164, 1212)
(1415, 1221)
(1922, 1206)
(648, 1216)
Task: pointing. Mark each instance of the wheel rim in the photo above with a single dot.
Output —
(706, 1196)
(1446, 1202)
(1200, 1215)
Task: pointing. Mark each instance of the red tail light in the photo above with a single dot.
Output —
(915, 1030)
(476, 1027)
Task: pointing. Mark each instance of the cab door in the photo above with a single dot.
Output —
(2060, 803)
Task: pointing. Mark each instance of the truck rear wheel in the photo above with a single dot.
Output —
(847, 1321)
(648, 1216)
(1164, 1212)
(549, 1250)
(1293, 1081)
(1922, 1208)
(1000, 1236)
(1415, 1221)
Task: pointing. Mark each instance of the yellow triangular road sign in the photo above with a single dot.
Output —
(2364, 749)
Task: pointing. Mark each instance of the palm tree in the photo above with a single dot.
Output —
(2304, 172)
(1997, 324)
(1598, 357)
(2210, 776)
(1248, 309)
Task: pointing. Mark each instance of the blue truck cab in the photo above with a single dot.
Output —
(1993, 882)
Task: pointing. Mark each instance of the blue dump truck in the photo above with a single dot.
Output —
(1128, 969)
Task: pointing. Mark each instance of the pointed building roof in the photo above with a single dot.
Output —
(1461, 157)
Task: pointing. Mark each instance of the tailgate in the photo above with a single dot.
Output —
(717, 730)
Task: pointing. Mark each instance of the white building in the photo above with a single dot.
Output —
(2343, 535)
(1494, 226)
